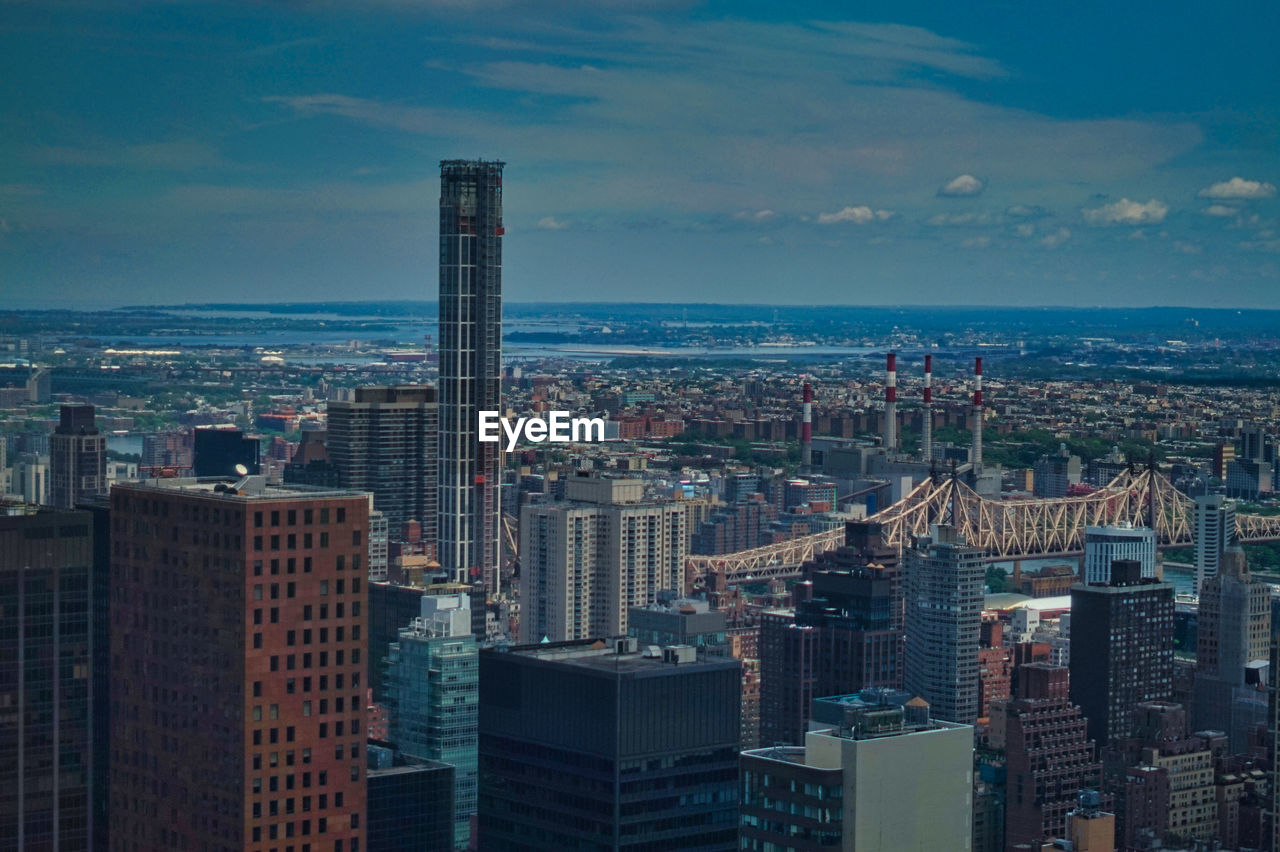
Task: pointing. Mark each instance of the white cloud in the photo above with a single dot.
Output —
(1025, 230)
(1220, 210)
(1055, 239)
(860, 215)
(965, 185)
(1187, 248)
(551, 223)
(1238, 187)
(1126, 212)
(1272, 246)
(754, 215)
(976, 242)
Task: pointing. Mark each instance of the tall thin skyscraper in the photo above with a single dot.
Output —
(470, 366)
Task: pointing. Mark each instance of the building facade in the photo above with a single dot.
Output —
(944, 582)
(238, 633)
(384, 441)
(593, 746)
(1104, 545)
(77, 457)
(1121, 648)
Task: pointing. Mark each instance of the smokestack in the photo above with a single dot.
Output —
(926, 429)
(806, 430)
(977, 415)
(891, 404)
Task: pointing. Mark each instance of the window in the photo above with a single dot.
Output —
(257, 713)
(293, 517)
(275, 542)
(257, 519)
(275, 615)
(342, 515)
(257, 543)
(290, 686)
(324, 587)
(257, 592)
(257, 689)
(291, 590)
(257, 616)
(324, 539)
(306, 612)
(275, 518)
(306, 711)
(355, 538)
(275, 664)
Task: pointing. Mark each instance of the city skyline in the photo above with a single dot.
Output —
(917, 155)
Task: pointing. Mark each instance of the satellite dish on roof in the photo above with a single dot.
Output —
(241, 470)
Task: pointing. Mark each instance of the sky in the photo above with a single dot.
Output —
(1011, 153)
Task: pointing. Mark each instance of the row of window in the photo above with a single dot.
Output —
(291, 516)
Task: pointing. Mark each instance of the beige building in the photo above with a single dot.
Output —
(878, 783)
(1193, 802)
(585, 560)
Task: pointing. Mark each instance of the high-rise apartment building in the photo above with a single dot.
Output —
(595, 745)
(431, 675)
(77, 457)
(384, 441)
(843, 635)
(1049, 757)
(886, 779)
(586, 560)
(944, 582)
(1215, 531)
(470, 367)
(238, 633)
(1233, 643)
(1104, 545)
(1121, 648)
(410, 803)
(51, 776)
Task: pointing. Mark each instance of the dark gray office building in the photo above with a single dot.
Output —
(409, 802)
(1121, 648)
(217, 451)
(384, 441)
(48, 768)
(470, 367)
(589, 745)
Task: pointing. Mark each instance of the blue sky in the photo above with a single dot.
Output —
(878, 153)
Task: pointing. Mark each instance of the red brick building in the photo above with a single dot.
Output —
(1049, 757)
(238, 627)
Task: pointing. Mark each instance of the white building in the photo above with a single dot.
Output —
(1104, 545)
(1215, 530)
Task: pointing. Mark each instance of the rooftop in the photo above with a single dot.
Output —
(247, 488)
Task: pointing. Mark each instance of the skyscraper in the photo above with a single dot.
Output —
(943, 622)
(48, 766)
(385, 441)
(1121, 648)
(591, 745)
(470, 367)
(846, 637)
(238, 628)
(586, 560)
(1215, 531)
(1233, 641)
(77, 457)
(431, 679)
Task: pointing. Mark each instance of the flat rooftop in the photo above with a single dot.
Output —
(250, 488)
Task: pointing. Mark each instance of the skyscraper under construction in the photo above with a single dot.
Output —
(470, 367)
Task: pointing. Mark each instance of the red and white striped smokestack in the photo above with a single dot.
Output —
(977, 415)
(891, 403)
(926, 426)
(806, 429)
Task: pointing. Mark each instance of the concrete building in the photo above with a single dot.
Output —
(1104, 545)
(887, 778)
(944, 582)
(238, 634)
(1121, 648)
(51, 774)
(593, 744)
(77, 457)
(384, 441)
(468, 503)
(217, 450)
(1234, 640)
(1215, 531)
(586, 560)
(432, 694)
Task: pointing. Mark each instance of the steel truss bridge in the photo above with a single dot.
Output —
(1004, 529)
